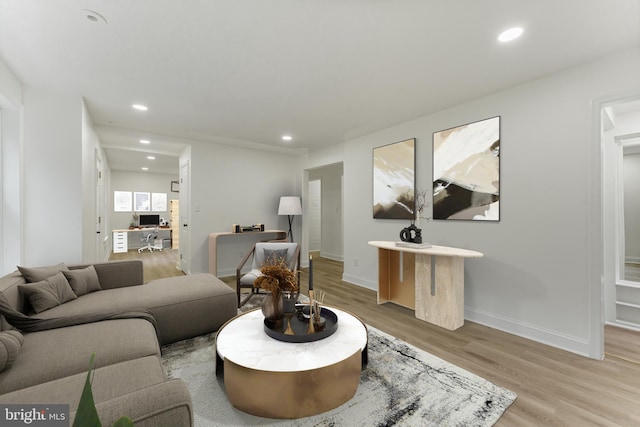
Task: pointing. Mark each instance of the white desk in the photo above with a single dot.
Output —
(429, 281)
(125, 239)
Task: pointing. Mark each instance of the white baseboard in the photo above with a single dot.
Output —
(624, 325)
(632, 259)
(359, 281)
(525, 330)
(511, 326)
(334, 257)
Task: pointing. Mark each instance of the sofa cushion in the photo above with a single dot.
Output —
(10, 344)
(183, 306)
(57, 353)
(83, 281)
(135, 388)
(48, 293)
(9, 287)
(38, 274)
(108, 382)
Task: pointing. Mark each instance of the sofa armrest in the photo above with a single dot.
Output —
(119, 274)
(164, 404)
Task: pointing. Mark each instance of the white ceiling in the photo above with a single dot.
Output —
(246, 72)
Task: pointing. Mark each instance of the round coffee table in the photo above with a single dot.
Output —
(276, 379)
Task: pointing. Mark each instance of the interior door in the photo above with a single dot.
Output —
(99, 226)
(185, 218)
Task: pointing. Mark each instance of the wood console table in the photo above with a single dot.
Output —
(214, 237)
(429, 281)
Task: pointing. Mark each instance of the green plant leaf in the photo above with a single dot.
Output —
(123, 422)
(86, 414)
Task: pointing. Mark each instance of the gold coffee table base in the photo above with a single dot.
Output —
(292, 394)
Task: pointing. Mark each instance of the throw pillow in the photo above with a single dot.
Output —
(271, 255)
(38, 274)
(48, 293)
(83, 281)
(10, 345)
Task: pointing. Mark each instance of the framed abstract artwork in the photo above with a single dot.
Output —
(394, 182)
(466, 172)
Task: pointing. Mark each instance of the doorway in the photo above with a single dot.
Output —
(314, 215)
(324, 223)
(184, 250)
(101, 238)
(621, 223)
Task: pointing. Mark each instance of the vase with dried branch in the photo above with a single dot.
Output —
(413, 233)
(276, 278)
(421, 204)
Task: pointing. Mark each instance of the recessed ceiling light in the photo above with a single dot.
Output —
(145, 168)
(145, 141)
(286, 138)
(93, 16)
(151, 157)
(510, 34)
(140, 107)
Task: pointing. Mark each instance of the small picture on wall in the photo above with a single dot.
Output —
(394, 180)
(466, 172)
(158, 202)
(142, 202)
(122, 201)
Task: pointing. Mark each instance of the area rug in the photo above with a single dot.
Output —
(401, 386)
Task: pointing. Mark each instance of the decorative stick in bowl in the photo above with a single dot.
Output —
(310, 327)
(319, 322)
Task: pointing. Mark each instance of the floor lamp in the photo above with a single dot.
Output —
(290, 206)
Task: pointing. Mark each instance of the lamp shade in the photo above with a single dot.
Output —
(290, 205)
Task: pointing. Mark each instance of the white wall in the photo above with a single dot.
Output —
(141, 182)
(10, 87)
(538, 272)
(232, 185)
(52, 190)
(10, 179)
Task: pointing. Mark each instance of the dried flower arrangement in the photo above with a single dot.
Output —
(276, 276)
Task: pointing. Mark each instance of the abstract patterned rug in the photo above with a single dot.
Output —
(401, 386)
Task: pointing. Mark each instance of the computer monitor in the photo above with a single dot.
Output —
(149, 220)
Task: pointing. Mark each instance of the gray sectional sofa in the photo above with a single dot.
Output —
(123, 321)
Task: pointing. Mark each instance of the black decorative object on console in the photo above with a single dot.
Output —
(411, 234)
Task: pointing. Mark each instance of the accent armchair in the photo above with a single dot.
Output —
(260, 252)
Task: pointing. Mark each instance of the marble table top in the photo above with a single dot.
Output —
(244, 342)
(432, 250)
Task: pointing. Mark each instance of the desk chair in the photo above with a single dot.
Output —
(259, 253)
(152, 241)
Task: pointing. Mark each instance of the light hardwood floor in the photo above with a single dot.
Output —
(554, 387)
(156, 264)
